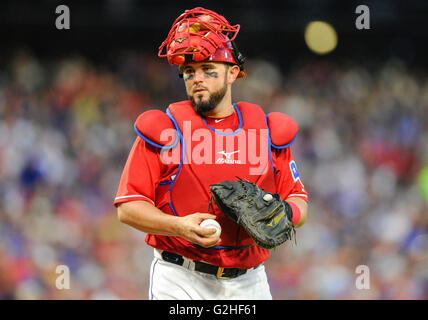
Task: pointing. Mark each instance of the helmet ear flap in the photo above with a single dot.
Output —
(239, 58)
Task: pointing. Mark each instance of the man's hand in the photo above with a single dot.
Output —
(144, 216)
(188, 227)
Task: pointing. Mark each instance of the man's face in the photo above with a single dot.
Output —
(206, 84)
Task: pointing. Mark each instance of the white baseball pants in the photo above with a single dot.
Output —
(169, 281)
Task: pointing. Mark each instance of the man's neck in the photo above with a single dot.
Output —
(221, 113)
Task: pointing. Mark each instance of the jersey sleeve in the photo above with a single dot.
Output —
(287, 178)
(141, 174)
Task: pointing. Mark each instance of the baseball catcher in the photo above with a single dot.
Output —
(187, 157)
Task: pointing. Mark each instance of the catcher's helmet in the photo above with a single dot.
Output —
(202, 35)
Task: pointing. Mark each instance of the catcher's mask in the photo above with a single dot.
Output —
(202, 35)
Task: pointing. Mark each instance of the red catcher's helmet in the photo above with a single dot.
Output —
(200, 34)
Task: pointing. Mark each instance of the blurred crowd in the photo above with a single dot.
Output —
(66, 127)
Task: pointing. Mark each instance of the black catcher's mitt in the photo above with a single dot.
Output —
(265, 217)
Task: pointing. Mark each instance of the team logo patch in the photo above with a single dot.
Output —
(294, 172)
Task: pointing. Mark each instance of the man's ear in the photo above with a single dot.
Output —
(233, 71)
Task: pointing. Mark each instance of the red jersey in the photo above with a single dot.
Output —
(145, 173)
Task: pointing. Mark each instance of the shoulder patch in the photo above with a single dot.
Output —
(293, 170)
(156, 128)
(283, 129)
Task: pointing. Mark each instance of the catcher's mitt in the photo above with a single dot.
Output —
(265, 217)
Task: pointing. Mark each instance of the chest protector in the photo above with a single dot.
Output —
(207, 156)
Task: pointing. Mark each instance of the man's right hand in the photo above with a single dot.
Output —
(145, 217)
(189, 228)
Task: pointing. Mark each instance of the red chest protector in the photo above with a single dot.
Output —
(204, 157)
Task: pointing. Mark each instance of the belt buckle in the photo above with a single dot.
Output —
(220, 273)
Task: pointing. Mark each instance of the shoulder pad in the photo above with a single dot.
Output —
(156, 128)
(283, 129)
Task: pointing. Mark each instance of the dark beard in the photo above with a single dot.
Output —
(204, 106)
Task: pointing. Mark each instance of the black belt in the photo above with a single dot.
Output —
(219, 272)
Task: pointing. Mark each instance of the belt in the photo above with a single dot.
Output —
(219, 272)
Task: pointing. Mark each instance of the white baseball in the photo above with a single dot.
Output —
(211, 223)
(267, 197)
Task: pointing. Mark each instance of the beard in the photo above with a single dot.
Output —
(202, 106)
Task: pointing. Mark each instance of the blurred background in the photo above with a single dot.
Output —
(69, 98)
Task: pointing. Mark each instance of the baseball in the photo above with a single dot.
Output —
(267, 197)
(210, 223)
